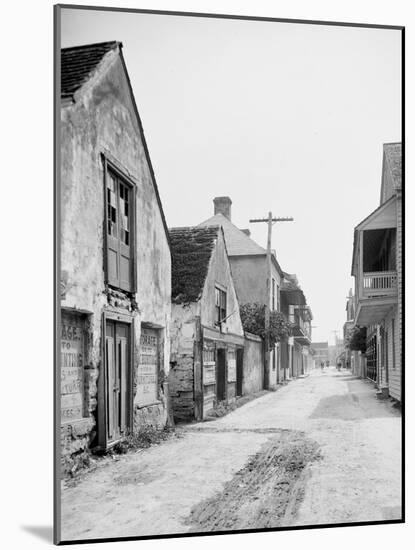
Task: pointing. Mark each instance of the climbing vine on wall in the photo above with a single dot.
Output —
(356, 339)
(253, 321)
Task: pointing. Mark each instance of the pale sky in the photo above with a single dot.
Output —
(281, 117)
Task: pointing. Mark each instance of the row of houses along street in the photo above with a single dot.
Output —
(151, 323)
(155, 320)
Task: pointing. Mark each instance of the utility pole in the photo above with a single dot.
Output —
(270, 221)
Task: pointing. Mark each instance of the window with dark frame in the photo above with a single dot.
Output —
(220, 305)
(273, 295)
(119, 220)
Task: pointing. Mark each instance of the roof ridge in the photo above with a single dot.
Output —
(92, 45)
(235, 226)
(79, 64)
(195, 227)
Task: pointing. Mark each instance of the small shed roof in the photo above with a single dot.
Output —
(191, 249)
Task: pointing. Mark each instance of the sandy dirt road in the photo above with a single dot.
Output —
(321, 449)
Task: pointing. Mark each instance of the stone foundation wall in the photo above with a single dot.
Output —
(153, 415)
(75, 442)
(181, 388)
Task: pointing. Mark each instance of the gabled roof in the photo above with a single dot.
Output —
(191, 249)
(237, 242)
(364, 223)
(376, 213)
(78, 64)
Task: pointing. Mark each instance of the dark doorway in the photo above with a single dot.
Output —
(221, 375)
(239, 371)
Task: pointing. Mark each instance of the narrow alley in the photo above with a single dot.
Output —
(321, 449)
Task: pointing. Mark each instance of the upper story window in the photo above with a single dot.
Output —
(220, 305)
(273, 294)
(120, 253)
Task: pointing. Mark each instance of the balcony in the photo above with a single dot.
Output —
(379, 283)
(374, 268)
(377, 295)
(301, 330)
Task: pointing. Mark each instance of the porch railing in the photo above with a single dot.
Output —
(379, 283)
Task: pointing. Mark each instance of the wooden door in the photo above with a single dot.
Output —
(117, 375)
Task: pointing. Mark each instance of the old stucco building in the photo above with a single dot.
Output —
(207, 338)
(115, 258)
(249, 267)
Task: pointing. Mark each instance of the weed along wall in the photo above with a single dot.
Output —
(115, 263)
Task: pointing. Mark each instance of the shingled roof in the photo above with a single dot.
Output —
(237, 242)
(191, 249)
(393, 157)
(78, 64)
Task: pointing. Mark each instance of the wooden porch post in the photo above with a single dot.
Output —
(360, 270)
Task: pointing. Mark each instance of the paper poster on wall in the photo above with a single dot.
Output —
(147, 368)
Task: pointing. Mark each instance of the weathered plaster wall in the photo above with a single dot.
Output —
(103, 121)
(253, 366)
(250, 274)
(220, 272)
(181, 374)
(249, 277)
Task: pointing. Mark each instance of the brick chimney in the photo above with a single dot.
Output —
(223, 206)
(246, 231)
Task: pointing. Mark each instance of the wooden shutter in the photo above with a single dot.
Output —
(120, 231)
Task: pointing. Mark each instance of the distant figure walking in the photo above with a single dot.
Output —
(322, 365)
(339, 365)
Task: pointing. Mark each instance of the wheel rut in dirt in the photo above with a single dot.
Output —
(265, 493)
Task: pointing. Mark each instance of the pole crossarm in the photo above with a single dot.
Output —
(258, 220)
